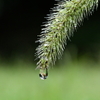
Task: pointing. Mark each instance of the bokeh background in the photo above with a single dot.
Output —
(76, 76)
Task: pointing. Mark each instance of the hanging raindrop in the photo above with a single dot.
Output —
(43, 73)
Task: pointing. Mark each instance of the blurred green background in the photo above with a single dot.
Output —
(76, 76)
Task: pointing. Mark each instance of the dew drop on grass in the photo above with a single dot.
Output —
(43, 73)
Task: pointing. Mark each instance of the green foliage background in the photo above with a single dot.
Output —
(79, 80)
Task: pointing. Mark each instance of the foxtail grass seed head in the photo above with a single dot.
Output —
(60, 25)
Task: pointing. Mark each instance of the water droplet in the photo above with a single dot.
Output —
(43, 73)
